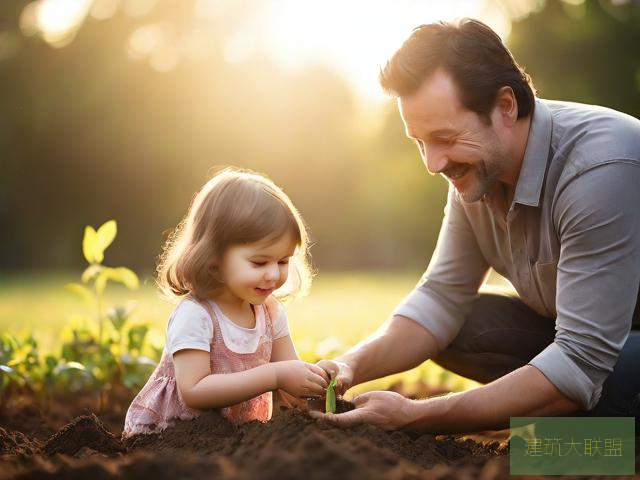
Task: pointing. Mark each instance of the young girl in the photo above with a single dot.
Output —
(228, 343)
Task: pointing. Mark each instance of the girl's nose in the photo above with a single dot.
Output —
(272, 273)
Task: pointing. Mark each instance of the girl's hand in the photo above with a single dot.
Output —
(300, 379)
(340, 371)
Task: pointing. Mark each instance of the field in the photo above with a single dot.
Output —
(76, 436)
(342, 309)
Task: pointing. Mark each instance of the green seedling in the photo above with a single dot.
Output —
(330, 401)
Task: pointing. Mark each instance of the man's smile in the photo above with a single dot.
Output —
(457, 171)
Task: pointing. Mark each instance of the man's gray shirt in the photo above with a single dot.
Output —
(569, 242)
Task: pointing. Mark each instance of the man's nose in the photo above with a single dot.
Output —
(435, 160)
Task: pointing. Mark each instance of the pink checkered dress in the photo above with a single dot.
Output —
(159, 403)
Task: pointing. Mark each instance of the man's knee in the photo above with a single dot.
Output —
(499, 335)
(503, 324)
(485, 309)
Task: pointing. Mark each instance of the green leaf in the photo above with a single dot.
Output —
(330, 401)
(105, 236)
(68, 366)
(90, 273)
(80, 290)
(118, 317)
(88, 245)
(125, 276)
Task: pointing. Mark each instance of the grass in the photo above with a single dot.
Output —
(343, 308)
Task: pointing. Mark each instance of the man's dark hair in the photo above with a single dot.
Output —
(471, 53)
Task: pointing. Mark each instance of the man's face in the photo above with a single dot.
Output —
(453, 140)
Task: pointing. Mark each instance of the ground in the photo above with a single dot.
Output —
(291, 446)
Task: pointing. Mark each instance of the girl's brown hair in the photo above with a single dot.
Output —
(234, 207)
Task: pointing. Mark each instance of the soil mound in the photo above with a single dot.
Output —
(86, 431)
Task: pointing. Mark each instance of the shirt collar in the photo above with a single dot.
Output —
(536, 157)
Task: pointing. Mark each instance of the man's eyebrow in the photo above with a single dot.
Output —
(442, 132)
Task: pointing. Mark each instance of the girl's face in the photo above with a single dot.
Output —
(252, 271)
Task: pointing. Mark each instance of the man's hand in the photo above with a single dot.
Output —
(342, 372)
(388, 410)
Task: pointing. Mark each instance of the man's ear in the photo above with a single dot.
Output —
(506, 106)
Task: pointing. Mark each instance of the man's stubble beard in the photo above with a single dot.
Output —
(486, 175)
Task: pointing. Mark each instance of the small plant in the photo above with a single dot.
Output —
(106, 356)
(94, 243)
(330, 401)
(113, 357)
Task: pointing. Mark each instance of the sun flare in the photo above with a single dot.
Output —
(356, 37)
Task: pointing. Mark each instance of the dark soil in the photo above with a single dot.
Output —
(291, 446)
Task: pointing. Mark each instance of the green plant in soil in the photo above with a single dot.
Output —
(103, 354)
(330, 400)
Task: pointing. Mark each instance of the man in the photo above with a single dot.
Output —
(547, 194)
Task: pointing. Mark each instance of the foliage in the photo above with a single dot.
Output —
(98, 132)
(583, 52)
(99, 354)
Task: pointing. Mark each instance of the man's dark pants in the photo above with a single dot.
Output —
(502, 334)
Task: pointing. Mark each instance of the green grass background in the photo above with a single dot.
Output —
(342, 308)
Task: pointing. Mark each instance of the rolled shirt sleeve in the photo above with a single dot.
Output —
(443, 298)
(597, 220)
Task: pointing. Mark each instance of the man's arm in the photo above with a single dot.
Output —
(524, 392)
(598, 278)
(399, 345)
(596, 216)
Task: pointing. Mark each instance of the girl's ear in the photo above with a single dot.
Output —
(215, 273)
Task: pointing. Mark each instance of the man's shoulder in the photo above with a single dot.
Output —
(586, 136)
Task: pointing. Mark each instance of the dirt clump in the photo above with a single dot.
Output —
(16, 443)
(86, 431)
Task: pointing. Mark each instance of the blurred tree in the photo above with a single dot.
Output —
(109, 127)
(583, 51)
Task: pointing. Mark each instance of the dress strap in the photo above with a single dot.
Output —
(270, 307)
(212, 315)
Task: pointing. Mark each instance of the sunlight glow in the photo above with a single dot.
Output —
(58, 20)
(356, 36)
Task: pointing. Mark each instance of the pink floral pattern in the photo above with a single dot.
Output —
(159, 404)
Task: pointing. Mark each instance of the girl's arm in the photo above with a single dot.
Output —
(201, 389)
(283, 349)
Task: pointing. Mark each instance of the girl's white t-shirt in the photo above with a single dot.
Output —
(191, 327)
